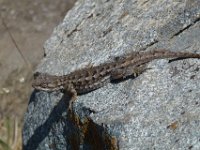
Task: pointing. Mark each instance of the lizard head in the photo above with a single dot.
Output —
(46, 82)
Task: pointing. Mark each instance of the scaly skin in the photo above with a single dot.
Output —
(88, 79)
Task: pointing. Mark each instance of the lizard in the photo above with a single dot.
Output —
(91, 78)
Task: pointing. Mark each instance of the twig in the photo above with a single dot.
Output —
(18, 49)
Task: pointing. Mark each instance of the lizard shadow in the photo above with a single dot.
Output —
(176, 59)
(43, 130)
(116, 81)
(57, 128)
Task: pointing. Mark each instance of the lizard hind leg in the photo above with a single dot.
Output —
(128, 72)
(139, 70)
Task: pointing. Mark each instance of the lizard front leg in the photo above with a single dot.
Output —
(70, 91)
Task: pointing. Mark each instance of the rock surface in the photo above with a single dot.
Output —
(158, 110)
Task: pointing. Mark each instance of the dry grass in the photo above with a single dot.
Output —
(14, 98)
(30, 26)
(12, 139)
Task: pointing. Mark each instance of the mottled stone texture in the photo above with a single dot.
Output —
(158, 110)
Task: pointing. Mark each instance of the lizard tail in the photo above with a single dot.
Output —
(162, 53)
(145, 57)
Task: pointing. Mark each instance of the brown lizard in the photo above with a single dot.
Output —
(91, 78)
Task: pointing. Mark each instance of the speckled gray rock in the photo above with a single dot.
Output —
(158, 110)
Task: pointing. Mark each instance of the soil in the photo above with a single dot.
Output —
(31, 24)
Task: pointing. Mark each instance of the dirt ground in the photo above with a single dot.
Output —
(31, 24)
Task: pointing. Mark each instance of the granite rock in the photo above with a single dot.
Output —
(157, 110)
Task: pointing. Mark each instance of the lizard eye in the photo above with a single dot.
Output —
(36, 74)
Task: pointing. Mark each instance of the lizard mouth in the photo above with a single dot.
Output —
(41, 88)
(46, 88)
